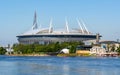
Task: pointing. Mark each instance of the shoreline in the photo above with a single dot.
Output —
(62, 55)
(28, 55)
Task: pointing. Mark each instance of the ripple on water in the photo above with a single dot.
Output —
(12, 65)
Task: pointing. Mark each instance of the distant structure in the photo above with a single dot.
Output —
(97, 38)
(35, 22)
(49, 35)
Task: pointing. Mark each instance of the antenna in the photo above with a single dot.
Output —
(84, 26)
(35, 22)
(50, 28)
(67, 28)
(80, 26)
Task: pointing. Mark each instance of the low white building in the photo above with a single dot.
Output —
(65, 51)
(110, 46)
(9, 50)
(97, 50)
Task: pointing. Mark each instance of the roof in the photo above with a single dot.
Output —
(45, 31)
(36, 31)
(108, 42)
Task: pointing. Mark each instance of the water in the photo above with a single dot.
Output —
(13, 65)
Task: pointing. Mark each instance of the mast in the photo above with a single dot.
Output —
(67, 28)
(84, 27)
(50, 28)
(35, 26)
(80, 26)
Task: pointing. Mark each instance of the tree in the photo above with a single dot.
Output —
(113, 48)
(118, 50)
(20, 48)
(38, 48)
(108, 47)
(72, 49)
(52, 47)
(57, 47)
(2, 51)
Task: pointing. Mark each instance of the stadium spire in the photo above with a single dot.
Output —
(85, 27)
(50, 28)
(35, 26)
(80, 26)
(67, 28)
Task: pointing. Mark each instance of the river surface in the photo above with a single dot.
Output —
(21, 65)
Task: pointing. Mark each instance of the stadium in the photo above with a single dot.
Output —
(49, 35)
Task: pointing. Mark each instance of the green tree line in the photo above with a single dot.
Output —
(53, 47)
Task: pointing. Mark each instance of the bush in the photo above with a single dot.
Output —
(53, 47)
(2, 51)
(118, 50)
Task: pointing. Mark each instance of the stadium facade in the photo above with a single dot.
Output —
(48, 35)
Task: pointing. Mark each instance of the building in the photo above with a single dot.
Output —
(110, 46)
(65, 51)
(105, 48)
(83, 49)
(48, 35)
(97, 50)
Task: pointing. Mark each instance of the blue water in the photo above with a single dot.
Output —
(12, 65)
